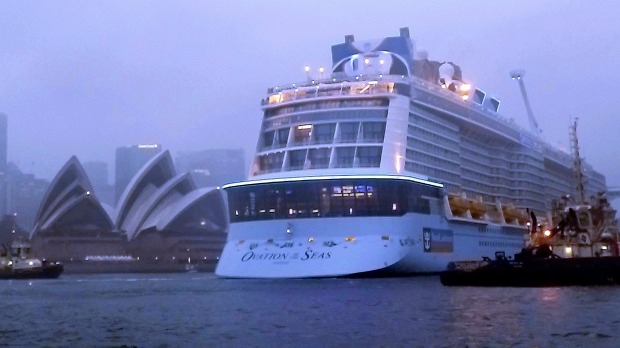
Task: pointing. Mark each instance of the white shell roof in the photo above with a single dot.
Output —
(154, 198)
(69, 188)
(139, 185)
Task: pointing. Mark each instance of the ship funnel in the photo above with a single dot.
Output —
(349, 38)
(421, 54)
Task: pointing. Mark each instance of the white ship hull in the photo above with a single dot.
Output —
(354, 246)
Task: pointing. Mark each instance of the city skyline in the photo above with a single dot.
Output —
(91, 77)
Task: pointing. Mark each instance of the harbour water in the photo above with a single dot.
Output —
(198, 309)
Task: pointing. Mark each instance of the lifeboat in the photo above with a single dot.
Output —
(458, 205)
(477, 208)
(511, 214)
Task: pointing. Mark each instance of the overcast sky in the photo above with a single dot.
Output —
(85, 77)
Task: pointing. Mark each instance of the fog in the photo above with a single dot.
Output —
(85, 77)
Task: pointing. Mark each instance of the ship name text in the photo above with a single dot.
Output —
(306, 256)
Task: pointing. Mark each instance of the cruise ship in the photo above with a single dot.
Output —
(388, 164)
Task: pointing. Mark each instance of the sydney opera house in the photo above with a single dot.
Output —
(161, 221)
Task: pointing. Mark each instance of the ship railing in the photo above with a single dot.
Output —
(364, 140)
(372, 84)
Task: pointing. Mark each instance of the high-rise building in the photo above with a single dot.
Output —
(3, 141)
(3, 158)
(213, 167)
(97, 172)
(129, 159)
(23, 195)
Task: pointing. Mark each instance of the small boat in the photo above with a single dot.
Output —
(15, 263)
(582, 249)
(531, 270)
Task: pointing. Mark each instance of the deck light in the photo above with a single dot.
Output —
(307, 68)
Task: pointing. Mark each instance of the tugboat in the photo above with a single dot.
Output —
(16, 263)
(580, 249)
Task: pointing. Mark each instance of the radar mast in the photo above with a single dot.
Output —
(577, 165)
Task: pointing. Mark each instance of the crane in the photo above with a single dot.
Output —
(518, 75)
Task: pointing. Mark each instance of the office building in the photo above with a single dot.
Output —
(213, 167)
(129, 160)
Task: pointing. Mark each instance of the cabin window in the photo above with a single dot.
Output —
(344, 157)
(373, 132)
(324, 133)
(369, 156)
(348, 132)
(302, 134)
(319, 158)
(271, 162)
(283, 136)
(297, 159)
(268, 138)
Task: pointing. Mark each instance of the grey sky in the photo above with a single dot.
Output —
(84, 77)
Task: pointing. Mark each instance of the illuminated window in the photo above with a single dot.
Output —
(302, 134)
(329, 198)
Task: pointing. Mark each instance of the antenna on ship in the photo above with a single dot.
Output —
(518, 75)
(577, 165)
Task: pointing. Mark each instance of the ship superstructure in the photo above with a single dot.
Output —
(372, 150)
(385, 109)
